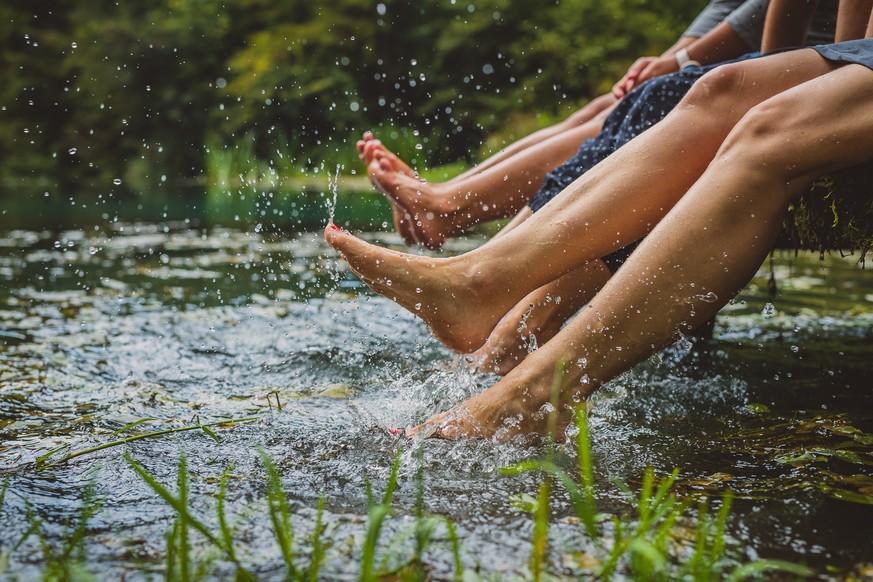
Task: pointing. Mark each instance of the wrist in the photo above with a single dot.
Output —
(684, 60)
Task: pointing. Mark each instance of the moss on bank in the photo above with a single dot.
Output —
(836, 214)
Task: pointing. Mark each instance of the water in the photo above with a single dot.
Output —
(101, 328)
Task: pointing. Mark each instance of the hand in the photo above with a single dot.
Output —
(642, 70)
(626, 83)
(658, 67)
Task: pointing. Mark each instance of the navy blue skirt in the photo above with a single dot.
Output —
(640, 109)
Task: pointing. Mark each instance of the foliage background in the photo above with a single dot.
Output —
(97, 91)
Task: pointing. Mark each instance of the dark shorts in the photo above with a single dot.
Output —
(859, 52)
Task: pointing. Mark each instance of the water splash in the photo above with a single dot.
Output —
(332, 185)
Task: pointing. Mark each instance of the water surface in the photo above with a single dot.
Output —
(103, 327)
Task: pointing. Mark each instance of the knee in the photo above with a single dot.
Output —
(718, 84)
(763, 138)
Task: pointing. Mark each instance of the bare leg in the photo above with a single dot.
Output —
(440, 211)
(697, 258)
(463, 298)
(368, 145)
(538, 317)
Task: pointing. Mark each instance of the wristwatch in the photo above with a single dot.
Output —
(684, 60)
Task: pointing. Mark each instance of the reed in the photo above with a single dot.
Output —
(206, 428)
(642, 545)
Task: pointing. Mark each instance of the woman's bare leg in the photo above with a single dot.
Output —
(368, 145)
(440, 211)
(463, 298)
(698, 257)
(538, 317)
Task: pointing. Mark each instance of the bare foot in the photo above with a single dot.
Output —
(369, 148)
(457, 306)
(538, 317)
(518, 334)
(403, 220)
(517, 404)
(430, 212)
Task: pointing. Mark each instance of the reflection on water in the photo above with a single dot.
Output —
(100, 329)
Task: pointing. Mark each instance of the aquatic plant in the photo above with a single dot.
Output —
(641, 546)
(179, 564)
(205, 427)
(662, 537)
(64, 559)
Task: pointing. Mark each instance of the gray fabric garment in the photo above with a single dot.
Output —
(711, 16)
(748, 22)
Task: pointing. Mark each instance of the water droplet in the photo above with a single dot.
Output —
(708, 297)
(117, 181)
(72, 151)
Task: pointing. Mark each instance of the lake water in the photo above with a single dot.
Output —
(100, 328)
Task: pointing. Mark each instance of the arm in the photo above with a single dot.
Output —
(787, 23)
(852, 20)
(720, 44)
(869, 33)
(714, 13)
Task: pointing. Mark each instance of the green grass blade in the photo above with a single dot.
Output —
(131, 439)
(210, 433)
(718, 544)
(127, 427)
(280, 516)
(644, 504)
(317, 542)
(180, 509)
(618, 549)
(41, 459)
(226, 533)
(377, 515)
(456, 548)
(586, 508)
(392, 479)
(763, 566)
(541, 532)
(170, 563)
(647, 561)
(184, 547)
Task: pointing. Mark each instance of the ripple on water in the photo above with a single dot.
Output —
(180, 326)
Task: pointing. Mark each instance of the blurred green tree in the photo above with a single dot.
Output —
(98, 91)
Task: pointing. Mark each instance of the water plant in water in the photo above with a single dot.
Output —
(662, 538)
(644, 546)
(63, 559)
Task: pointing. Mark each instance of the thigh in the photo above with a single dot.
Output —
(817, 127)
(729, 91)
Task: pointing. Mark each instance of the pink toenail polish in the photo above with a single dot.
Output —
(333, 226)
(394, 431)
